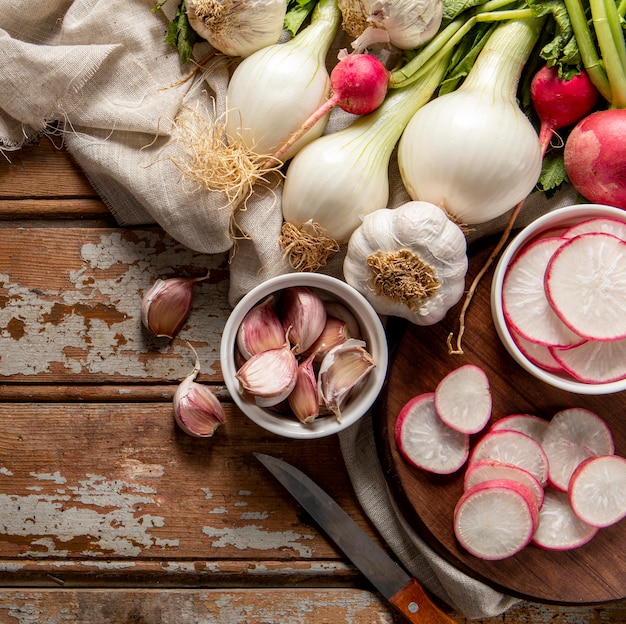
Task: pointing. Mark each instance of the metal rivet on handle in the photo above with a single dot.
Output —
(413, 607)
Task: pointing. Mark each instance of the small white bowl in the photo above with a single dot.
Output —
(372, 332)
(561, 217)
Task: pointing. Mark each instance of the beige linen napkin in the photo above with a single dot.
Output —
(97, 75)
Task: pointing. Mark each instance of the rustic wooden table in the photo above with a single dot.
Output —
(108, 512)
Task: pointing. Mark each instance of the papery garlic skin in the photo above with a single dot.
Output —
(197, 411)
(304, 398)
(166, 306)
(424, 230)
(269, 376)
(260, 330)
(405, 24)
(341, 371)
(273, 91)
(237, 27)
(303, 316)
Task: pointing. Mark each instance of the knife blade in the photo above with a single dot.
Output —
(401, 590)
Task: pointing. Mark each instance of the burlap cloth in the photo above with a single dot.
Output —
(98, 75)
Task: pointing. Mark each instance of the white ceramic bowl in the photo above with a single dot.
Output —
(561, 217)
(372, 332)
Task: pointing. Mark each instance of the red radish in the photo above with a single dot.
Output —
(358, 85)
(425, 441)
(585, 284)
(495, 519)
(488, 469)
(539, 354)
(559, 527)
(598, 224)
(597, 490)
(559, 103)
(463, 399)
(529, 424)
(524, 299)
(594, 361)
(573, 435)
(595, 157)
(513, 447)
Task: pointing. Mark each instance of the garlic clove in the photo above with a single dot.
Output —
(166, 306)
(304, 398)
(197, 411)
(335, 332)
(343, 313)
(260, 330)
(269, 376)
(343, 368)
(303, 316)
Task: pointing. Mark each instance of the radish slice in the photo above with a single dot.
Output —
(539, 354)
(597, 224)
(488, 469)
(573, 435)
(529, 424)
(585, 283)
(559, 527)
(597, 490)
(426, 441)
(513, 447)
(463, 399)
(594, 361)
(495, 519)
(524, 302)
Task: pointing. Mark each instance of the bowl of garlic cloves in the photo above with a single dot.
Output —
(304, 355)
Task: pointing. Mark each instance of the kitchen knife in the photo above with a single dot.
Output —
(402, 591)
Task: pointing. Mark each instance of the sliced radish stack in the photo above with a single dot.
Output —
(597, 490)
(463, 399)
(572, 436)
(538, 354)
(425, 441)
(597, 224)
(513, 447)
(594, 361)
(495, 519)
(585, 284)
(524, 297)
(531, 425)
(488, 469)
(559, 527)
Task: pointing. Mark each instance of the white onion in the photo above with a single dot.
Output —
(473, 152)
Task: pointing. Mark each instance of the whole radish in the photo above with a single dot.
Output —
(595, 157)
(560, 103)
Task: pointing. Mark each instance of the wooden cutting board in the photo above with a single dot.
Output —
(593, 573)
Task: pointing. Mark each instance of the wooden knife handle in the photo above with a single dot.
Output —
(417, 607)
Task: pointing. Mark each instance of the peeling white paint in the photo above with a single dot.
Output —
(5, 471)
(134, 469)
(9, 566)
(54, 518)
(254, 515)
(55, 477)
(218, 511)
(208, 495)
(253, 536)
(60, 328)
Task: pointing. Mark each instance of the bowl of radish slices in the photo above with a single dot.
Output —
(558, 299)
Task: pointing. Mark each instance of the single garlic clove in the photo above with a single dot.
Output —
(343, 368)
(335, 332)
(303, 316)
(304, 398)
(269, 376)
(340, 311)
(260, 330)
(197, 410)
(166, 305)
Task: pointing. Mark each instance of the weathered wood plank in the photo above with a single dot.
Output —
(122, 482)
(54, 210)
(70, 303)
(44, 169)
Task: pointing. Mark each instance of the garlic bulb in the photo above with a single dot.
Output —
(237, 27)
(409, 262)
(405, 24)
(274, 91)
